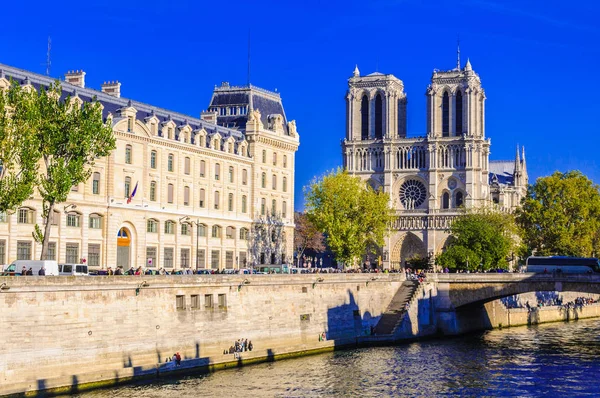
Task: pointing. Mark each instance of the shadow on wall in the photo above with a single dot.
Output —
(345, 323)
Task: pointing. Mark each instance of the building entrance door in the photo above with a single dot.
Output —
(123, 245)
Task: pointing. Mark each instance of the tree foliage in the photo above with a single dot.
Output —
(306, 235)
(19, 153)
(481, 239)
(349, 212)
(70, 136)
(561, 215)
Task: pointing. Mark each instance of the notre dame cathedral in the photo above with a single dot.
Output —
(429, 178)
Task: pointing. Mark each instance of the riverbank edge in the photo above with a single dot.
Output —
(161, 371)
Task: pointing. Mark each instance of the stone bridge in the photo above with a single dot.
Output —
(461, 290)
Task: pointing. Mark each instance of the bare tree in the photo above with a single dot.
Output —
(267, 238)
(307, 236)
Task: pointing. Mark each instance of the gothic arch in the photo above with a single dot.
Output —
(409, 246)
(446, 113)
(364, 116)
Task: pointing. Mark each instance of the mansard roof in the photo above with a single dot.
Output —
(502, 172)
(112, 104)
(265, 101)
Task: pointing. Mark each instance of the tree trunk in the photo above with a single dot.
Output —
(47, 228)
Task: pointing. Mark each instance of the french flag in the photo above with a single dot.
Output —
(132, 193)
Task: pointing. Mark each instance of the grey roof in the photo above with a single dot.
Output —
(502, 171)
(112, 104)
(267, 102)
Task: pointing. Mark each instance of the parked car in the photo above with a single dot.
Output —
(73, 270)
(51, 267)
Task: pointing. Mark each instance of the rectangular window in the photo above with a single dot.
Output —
(244, 204)
(51, 252)
(72, 253)
(180, 302)
(186, 166)
(75, 188)
(201, 258)
(217, 199)
(25, 216)
(228, 259)
(284, 161)
(195, 302)
(274, 158)
(208, 301)
(243, 260)
(152, 226)
(151, 257)
(169, 227)
(202, 168)
(185, 229)
(202, 197)
(217, 171)
(94, 255)
(230, 202)
(73, 220)
(153, 191)
(215, 259)
(2, 251)
(168, 257)
(95, 222)
(244, 177)
(222, 301)
(170, 163)
(284, 209)
(264, 156)
(185, 258)
(23, 250)
(186, 196)
(128, 154)
(202, 230)
(231, 174)
(96, 184)
(274, 181)
(130, 124)
(3, 218)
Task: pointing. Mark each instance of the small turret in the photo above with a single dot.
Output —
(356, 72)
(468, 65)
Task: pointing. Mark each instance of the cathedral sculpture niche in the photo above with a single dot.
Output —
(429, 178)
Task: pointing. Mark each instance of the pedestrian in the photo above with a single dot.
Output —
(23, 271)
(177, 359)
(42, 271)
(110, 271)
(250, 346)
(30, 271)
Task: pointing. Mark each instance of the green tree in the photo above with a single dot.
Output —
(349, 212)
(561, 215)
(481, 239)
(19, 154)
(70, 136)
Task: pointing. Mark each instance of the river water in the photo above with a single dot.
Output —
(557, 359)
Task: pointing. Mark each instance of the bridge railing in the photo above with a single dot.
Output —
(513, 277)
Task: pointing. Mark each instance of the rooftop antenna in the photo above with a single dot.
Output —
(48, 63)
(248, 57)
(457, 52)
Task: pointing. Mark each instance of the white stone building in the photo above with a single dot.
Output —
(177, 192)
(428, 178)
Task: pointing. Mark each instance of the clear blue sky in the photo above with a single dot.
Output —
(536, 60)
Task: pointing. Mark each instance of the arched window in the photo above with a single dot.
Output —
(186, 196)
(170, 193)
(153, 191)
(445, 200)
(243, 234)
(216, 231)
(364, 118)
(445, 115)
(153, 159)
(152, 225)
(202, 230)
(459, 199)
(230, 232)
(169, 227)
(378, 117)
(459, 113)
(73, 219)
(127, 186)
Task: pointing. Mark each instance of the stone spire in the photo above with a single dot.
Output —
(468, 65)
(524, 167)
(356, 71)
(517, 161)
(457, 55)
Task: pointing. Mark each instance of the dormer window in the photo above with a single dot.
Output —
(223, 111)
(129, 124)
(170, 133)
(153, 128)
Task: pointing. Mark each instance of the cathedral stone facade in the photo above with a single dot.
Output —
(429, 178)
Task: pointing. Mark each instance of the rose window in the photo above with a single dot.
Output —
(412, 194)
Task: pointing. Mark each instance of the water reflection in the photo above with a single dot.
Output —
(557, 359)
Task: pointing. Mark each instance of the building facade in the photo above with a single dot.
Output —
(177, 192)
(429, 178)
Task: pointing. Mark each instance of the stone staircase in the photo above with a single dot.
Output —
(392, 317)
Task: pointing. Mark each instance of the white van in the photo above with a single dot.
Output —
(51, 267)
(73, 269)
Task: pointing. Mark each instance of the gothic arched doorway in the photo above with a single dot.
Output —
(409, 248)
(123, 248)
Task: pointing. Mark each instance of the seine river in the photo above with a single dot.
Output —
(556, 360)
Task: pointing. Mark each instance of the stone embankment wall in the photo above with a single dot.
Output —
(71, 333)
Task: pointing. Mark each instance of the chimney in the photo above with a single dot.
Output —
(112, 88)
(76, 78)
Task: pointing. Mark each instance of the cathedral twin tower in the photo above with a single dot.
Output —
(429, 178)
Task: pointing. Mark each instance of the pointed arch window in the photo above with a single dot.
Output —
(459, 199)
(445, 200)
(364, 118)
(459, 113)
(378, 117)
(445, 115)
